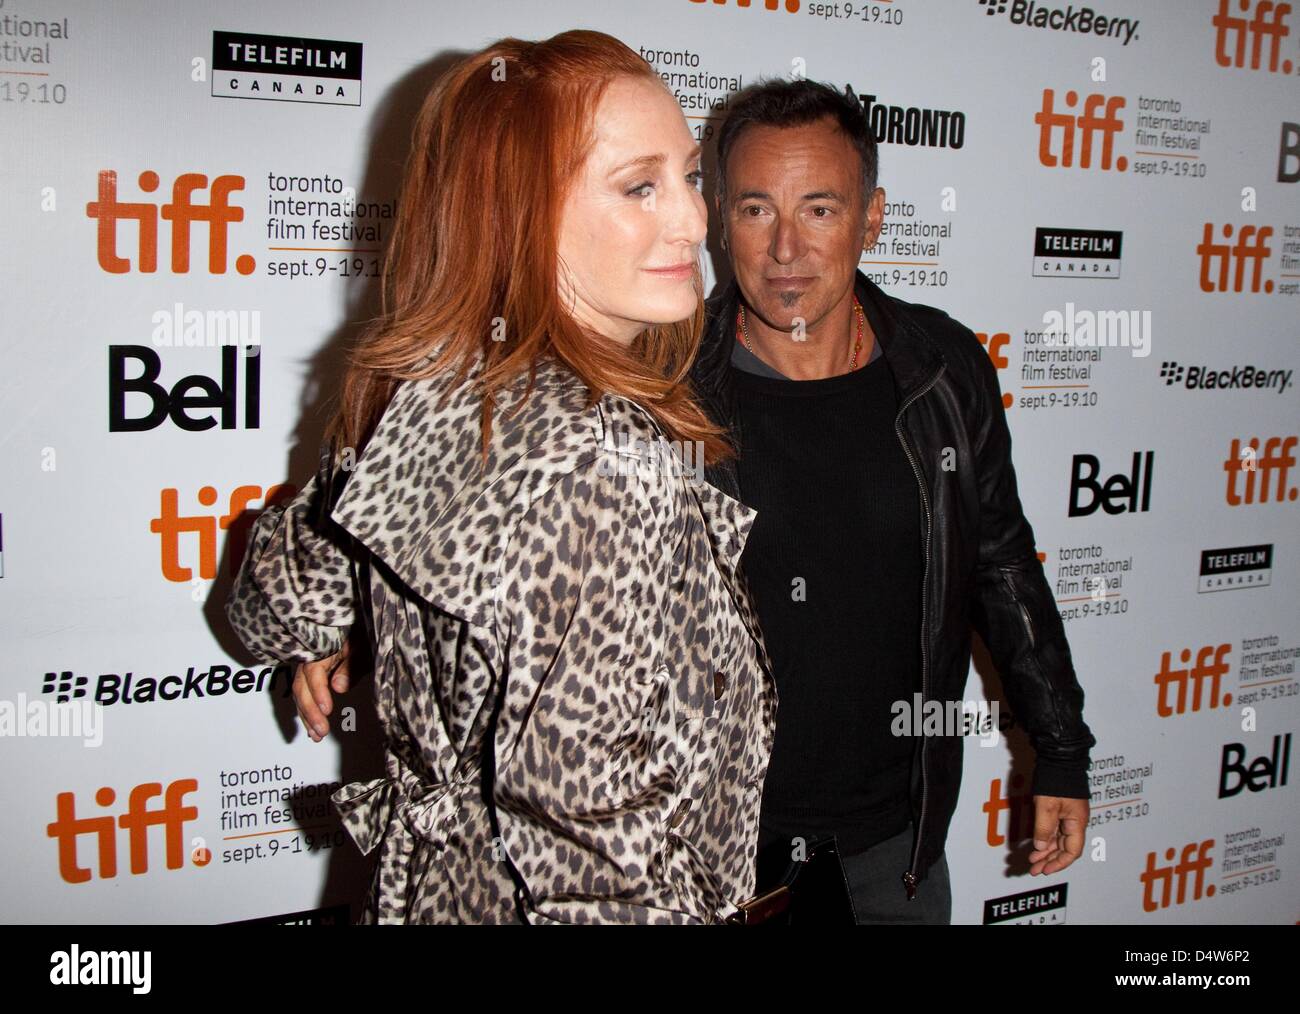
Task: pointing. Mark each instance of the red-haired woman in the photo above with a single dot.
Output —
(574, 692)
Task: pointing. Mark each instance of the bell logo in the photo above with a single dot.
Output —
(1249, 248)
(1288, 156)
(1204, 670)
(192, 393)
(1263, 773)
(1121, 493)
(169, 524)
(172, 815)
(1268, 20)
(1018, 806)
(1165, 876)
(1277, 459)
(182, 211)
(1093, 121)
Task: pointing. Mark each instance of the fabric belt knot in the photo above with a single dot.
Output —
(367, 808)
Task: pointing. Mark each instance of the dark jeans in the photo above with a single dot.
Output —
(876, 880)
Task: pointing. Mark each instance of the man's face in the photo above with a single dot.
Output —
(795, 221)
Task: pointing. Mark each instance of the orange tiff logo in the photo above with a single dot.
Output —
(170, 524)
(1243, 464)
(1249, 248)
(1231, 32)
(993, 345)
(1205, 670)
(172, 816)
(790, 5)
(1194, 860)
(1016, 804)
(1100, 116)
(181, 212)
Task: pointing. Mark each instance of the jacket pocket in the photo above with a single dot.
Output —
(652, 749)
(693, 693)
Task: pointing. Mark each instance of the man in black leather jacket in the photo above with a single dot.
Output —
(779, 155)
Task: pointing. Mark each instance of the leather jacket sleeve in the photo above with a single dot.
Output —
(1015, 614)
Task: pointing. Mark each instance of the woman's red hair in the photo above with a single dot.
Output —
(496, 146)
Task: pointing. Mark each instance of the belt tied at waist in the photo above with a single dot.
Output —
(367, 808)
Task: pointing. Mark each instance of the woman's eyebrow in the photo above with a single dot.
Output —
(645, 161)
(653, 161)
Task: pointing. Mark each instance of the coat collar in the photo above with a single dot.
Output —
(417, 503)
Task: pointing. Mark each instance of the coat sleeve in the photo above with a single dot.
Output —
(293, 599)
(1014, 611)
(586, 761)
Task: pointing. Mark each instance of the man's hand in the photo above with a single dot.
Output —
(311, 690)
(1058, 833)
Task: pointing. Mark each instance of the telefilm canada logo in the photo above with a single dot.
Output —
(1080, 20)
(1076, 253)
(286, 68)
(1235, 567)
(1044, 906)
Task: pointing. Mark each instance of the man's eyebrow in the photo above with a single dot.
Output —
(653, 161)
(816, 195)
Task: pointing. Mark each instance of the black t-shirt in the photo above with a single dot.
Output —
(834, 563)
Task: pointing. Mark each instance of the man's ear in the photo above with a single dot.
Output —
(875, 219)
(722, 219)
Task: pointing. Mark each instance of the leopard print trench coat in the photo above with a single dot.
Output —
(565, 631)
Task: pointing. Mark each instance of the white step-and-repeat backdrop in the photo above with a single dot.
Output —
(195, 199)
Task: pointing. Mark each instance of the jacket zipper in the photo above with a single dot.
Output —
(909, 875)
(1024, 616)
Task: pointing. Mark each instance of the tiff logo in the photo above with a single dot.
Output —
(1231, 32)
(170, 524)
(1276, 460)
(993, 344)
(172, 816)
(1164, 876)
(1017, 805)
(1094, 120)
(1210, 666)
(790, 5)
(1248, 248)
(182, 212)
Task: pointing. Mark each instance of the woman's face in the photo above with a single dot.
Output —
(631, 227)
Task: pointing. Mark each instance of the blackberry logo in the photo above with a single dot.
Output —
(1232, 378)
(1072, 18)
(61, 683)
